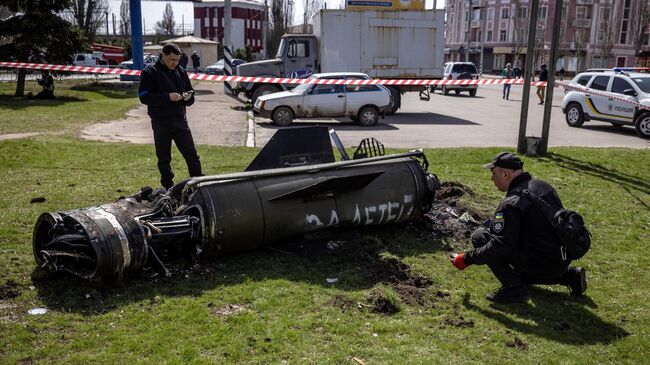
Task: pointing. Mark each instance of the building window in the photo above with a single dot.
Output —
(490, 14)
(542, 12)
(489, 36)
(499, 61)
(504, 13)
(522, 12)
(480, 36)
(582, 12)
(503, 35)
(625, 22)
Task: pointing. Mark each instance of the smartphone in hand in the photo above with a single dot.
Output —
(188, 94)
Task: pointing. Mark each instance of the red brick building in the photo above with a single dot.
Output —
(247, 17)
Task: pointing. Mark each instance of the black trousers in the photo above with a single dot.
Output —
(517, 269)
(179, 132)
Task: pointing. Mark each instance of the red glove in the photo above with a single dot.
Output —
(459, 261)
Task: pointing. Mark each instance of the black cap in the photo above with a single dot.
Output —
(505, 160)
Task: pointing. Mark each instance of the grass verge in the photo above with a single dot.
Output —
(77, 104)
(268, 307)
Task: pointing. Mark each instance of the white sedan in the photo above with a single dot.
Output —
(362, 103)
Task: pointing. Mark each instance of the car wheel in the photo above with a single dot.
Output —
(282, 116)
(445, 91)
(368, 116)
(642, 125)
(472, 92)
(263, 90)
(574, 115)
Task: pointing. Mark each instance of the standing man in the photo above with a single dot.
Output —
(184, 61)
(196, 61)
(167, 91)
(562, 72)
(541, 89)
(507, 75)
(518, 244)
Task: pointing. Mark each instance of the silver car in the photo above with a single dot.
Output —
(362, 103)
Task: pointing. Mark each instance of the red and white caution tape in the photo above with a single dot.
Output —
(273, 80)
(283, 80)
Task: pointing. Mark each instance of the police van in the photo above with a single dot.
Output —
(609, 95)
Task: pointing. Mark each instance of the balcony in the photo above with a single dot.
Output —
(478, 3)
(476, 23)
(582, 23)
(584, 2)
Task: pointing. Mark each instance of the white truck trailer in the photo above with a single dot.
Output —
(382, 44)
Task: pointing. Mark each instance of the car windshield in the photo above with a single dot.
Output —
(643, 83)
(280, 49)
(301, 89)
(462, 68)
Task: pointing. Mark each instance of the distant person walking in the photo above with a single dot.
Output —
(517, 71)
(196, 61)
(541, 89)
(562, 72)
(508, 74)
(184, 61)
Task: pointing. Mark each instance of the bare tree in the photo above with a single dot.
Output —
(88, 15)
(281, 13)
(580, 39)
(310, 7)
(520, 36)
(606, 37)
(640, 20)
(167, 24)
(125, 18)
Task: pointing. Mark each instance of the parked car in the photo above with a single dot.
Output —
(217, 68)
(362, 103)
(583, 105)
(459, 71)
(148, 60)
(88, 60)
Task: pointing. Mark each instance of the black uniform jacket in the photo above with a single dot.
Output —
(518, 225)
(156, 82)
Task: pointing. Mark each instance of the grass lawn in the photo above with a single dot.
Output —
(269, 307)
(78, 103)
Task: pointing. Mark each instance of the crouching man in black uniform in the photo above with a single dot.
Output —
(166, 90)
(518, 244)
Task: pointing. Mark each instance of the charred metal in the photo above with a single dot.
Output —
(293, 187)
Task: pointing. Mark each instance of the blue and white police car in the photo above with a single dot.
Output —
(609, 95)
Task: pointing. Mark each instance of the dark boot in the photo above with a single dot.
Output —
(508, 295)
(576, 279)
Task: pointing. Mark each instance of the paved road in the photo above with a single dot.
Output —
(463, 121)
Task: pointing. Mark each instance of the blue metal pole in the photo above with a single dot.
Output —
(136, 34)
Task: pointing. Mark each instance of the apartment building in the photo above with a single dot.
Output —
(593, 33)
(246, 24)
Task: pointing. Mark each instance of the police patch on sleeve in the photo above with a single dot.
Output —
(498, 222)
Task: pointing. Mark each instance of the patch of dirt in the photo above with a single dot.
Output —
(450, 218)
(9, 290)
(39, 199)
(380, 303)
(227, 310)
(459, 322)
(343, 302)
(517, 343)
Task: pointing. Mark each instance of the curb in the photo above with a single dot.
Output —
(250, 136)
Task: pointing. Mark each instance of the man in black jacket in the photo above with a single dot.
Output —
(167, 91)
(518, 244)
